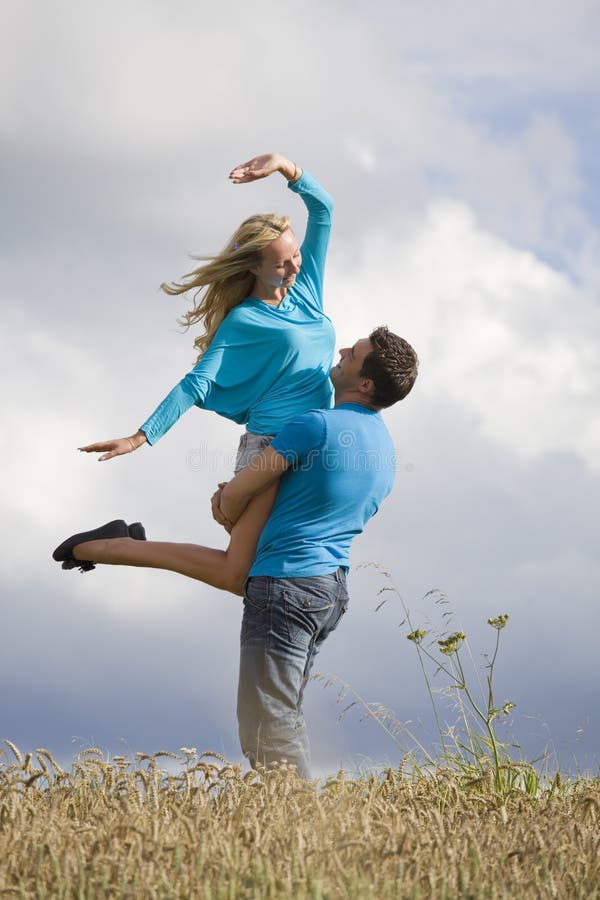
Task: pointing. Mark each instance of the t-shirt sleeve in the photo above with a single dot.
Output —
(228, 369)
(192, 389)
(301, 437)
(316, 240)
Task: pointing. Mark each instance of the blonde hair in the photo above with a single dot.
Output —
(226, 277)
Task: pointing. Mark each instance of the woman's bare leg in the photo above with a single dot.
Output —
(225, 569)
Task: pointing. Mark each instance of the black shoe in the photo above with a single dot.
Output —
(137, 531)
(112, 529)
(64, 551)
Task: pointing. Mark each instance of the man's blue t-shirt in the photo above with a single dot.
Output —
(342, 467)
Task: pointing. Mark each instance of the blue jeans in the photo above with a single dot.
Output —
(285, 622)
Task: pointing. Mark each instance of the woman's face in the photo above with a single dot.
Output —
(280, 262)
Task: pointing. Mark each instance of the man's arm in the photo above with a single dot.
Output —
(263, 471)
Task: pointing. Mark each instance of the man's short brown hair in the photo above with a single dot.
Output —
(391, 365)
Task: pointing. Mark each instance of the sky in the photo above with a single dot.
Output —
(459, 141)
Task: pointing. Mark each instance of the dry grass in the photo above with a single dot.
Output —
(131, 829)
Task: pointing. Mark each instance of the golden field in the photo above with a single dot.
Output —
(168, 826)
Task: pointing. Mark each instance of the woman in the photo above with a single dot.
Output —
(264, 358)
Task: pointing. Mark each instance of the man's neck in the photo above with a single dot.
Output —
(352, 397)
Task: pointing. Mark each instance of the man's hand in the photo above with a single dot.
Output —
(116, 447)
(262, 166)
(215, 502)
(232, 497)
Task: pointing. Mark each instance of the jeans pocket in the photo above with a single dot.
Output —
(305, 613)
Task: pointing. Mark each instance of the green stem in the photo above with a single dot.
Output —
(487, 721)
(491, 703)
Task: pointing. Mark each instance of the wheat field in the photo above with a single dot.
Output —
(192, 826)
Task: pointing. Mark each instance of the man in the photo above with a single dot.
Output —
(336, 466)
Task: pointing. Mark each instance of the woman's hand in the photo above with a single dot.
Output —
(116, 447)
(262, 166)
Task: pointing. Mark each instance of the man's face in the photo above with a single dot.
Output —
(346, 375)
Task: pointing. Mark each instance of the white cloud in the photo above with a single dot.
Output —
(156, 99)
(499, 333)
